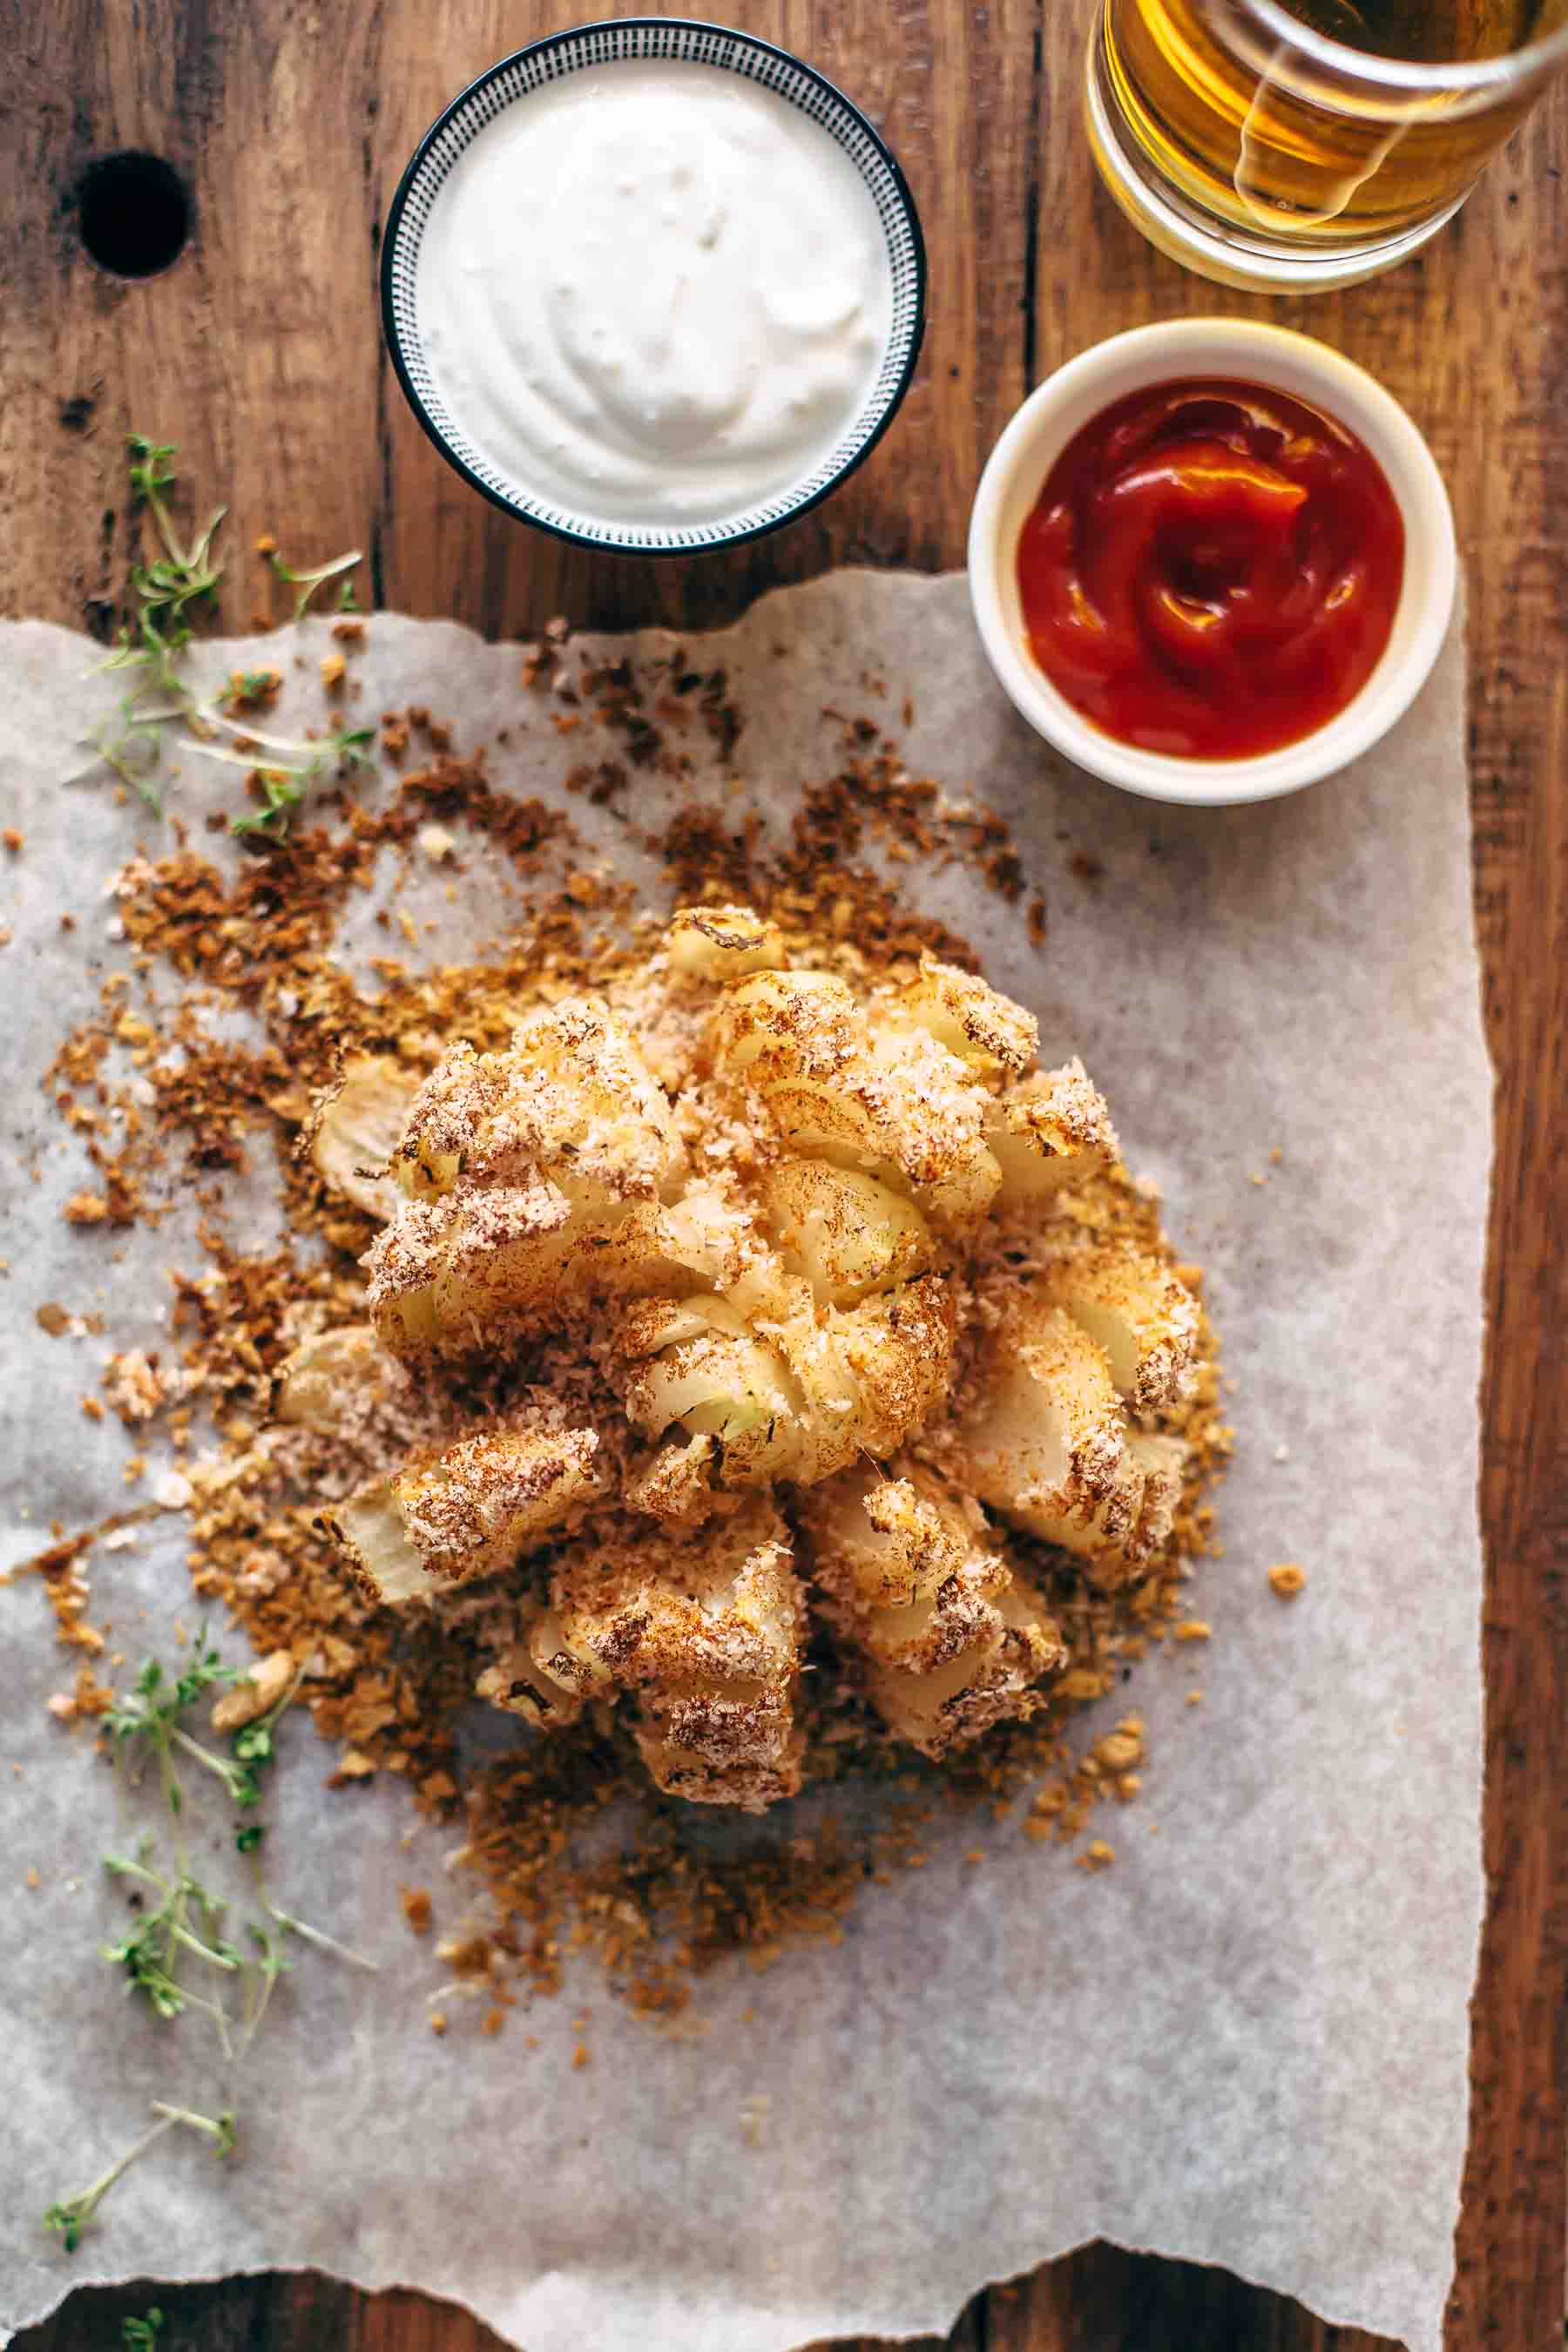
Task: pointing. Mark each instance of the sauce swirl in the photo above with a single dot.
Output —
(1210, 570)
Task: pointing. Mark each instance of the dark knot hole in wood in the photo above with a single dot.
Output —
(135, 213)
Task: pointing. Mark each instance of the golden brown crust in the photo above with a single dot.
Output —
(837, 1231)
(987, 1031)
(706, 1644)
(917, 1588)
(723, 943)
(1139, 1311)
(356, 1127)
(1050, 1130)
(528, 1172)
(450, 1514)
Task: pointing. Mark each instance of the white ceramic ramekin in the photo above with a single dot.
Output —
(1255, 354)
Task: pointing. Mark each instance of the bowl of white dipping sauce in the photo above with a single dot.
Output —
(653, 286)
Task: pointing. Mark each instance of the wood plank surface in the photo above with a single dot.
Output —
(259, 353)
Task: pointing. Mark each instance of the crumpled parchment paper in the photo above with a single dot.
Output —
(1246, 2042)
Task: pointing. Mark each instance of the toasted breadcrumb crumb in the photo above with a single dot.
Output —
(659, 1907)
(1288, 1578)
(253, 690)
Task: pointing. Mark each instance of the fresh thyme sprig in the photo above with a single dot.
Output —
(287, 778)
(149, 1952)
(308, 582)
(186, 1924)
(131, 753)
(222, 2130)
(267, 1966)
(316, 1936)
(178, 577)
(149, 1718)
(167, 589)
(141, 2335)
(71, 2217)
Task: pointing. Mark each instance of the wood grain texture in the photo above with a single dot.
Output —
(259, 355)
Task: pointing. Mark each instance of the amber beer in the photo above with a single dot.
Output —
(1325, 124)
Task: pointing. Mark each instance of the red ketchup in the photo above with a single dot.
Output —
(1211, 569)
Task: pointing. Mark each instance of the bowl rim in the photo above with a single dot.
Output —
(399, 204)
(1203, 345)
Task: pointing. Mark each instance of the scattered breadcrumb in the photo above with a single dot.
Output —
(133, 1386)
(654, 1903)
(255, 689)
(258, 1690)
(1288, 1578)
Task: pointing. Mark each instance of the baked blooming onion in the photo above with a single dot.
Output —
(749, 1308)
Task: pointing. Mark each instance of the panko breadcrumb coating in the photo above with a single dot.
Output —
(386, 1689)
(952, 1637)
(788, 1270)
(705, 1643)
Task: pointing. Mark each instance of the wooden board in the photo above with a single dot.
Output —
(259, 355)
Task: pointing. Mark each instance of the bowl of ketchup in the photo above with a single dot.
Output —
(1211, 561)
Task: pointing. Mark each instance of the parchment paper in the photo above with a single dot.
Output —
(1246, 2042)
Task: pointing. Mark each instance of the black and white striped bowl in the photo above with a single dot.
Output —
(667, 38)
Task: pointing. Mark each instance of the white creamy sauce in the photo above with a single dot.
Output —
(654, 293)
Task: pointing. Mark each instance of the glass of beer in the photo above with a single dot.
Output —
(1288, 144)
